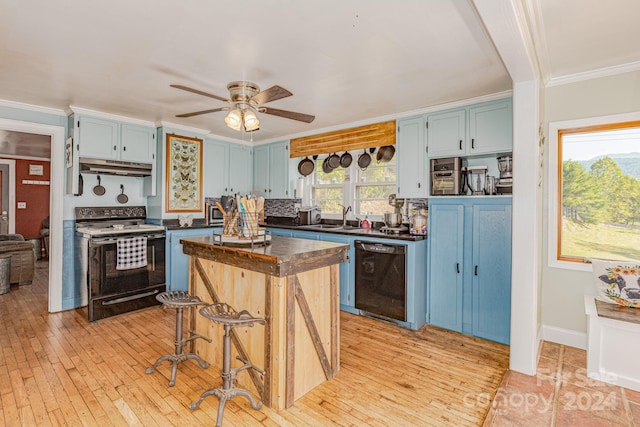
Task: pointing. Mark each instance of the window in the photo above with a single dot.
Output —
(366, 191)
(598, 197)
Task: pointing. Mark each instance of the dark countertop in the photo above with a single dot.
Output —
(283, 257)
(364, 232)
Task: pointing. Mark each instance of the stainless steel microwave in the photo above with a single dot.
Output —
(446, 176)
(214, 215)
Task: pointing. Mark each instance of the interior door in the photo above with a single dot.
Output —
(4, 198)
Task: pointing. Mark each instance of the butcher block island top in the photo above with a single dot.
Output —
(294, 285)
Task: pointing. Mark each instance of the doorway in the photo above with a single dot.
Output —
(56, 198)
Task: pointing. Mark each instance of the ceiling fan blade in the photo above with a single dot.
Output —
(199, 92)
(271, 94)
(288, 114)
(197, 113)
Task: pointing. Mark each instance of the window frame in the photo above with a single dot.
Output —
(554, 189)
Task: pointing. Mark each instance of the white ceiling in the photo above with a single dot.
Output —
(346, 61)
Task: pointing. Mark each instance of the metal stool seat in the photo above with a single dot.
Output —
(179, 300)
(225, 315)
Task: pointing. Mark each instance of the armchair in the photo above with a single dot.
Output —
(23, 263)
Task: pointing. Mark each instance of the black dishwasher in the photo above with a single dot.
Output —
(381, 279)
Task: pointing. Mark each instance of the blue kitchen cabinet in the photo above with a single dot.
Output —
(107, 139)
(470, 265)
(492, 271)
(446, 263)
(300, 234)
(410, 148)
(137, 143)
(215, 168)
(271, 170)
(485, 128)
(283, 232)
(240, 169)
(347, 275)
(177, 263)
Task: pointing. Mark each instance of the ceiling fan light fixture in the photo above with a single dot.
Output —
(234, 119)
(251, 122)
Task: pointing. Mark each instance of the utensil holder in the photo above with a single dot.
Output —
(249, 224)
(230, 227)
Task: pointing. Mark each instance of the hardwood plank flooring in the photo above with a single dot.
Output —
(59, 369)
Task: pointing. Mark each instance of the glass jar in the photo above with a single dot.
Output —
(419, 222)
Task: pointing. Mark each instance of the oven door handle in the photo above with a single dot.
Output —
(101, 241)
(130, 298)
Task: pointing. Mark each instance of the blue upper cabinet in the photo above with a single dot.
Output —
(446, 134)
(492, 271)
(215, 168)
(446, 237)
(112, 140)
(410, 149)
(177, 263)
(491, 127)
(485, 128)
(271, 170)
(240, 169)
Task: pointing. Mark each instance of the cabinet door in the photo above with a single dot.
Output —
(178, 271)
(240, 169)
(261, 170)
(492, 272)
(491, 128)
(98, 138)
(137, 143)
(410, 169)
(446, 134)
(446, 236)
(279, 170)
(347, 284)
(216, 168)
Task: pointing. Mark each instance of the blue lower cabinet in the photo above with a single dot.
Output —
(347, 280)
(281, 232)
(470, 265)
(177, 263)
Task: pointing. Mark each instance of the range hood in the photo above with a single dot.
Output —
(114, 167)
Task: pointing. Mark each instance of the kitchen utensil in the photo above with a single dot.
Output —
(364, 160)
(122, 198)
(505, 166)
(475, 179)
(385, 153)
(490, 186)
(99, 190)
(221, 209)
(392, 219)
(346, 159)
(306, 166)
(334, 161)
(325, 166)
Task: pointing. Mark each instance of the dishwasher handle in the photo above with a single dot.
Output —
(379, 248)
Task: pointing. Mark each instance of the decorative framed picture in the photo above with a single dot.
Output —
(184, 174)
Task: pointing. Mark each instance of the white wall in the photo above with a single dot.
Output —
(563, 315)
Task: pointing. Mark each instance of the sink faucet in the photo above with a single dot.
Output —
(345, 211)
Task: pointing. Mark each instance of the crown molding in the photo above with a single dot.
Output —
(80, 110)
(594, 74)
(31, 107)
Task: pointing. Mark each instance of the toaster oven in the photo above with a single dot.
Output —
(214, 215)
(446, 176)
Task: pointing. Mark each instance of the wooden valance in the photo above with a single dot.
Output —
(375, 135)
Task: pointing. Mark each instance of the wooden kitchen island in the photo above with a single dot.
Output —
(294, 285)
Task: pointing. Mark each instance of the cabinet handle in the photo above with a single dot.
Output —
(473, 143)
(460, 145)
(418, 185)
(457, 267)
(114, 148)
(475, 271)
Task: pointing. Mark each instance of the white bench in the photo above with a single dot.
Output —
(613, 343)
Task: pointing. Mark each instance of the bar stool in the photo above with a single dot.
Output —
(179, 300)
(225, 315)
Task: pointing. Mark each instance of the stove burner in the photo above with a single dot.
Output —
(395, 230)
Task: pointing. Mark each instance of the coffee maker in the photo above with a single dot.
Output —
(505, 183)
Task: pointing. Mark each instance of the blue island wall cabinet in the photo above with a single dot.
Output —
(470, 265)
(177, 263)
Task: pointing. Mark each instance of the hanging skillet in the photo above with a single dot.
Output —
(122, 198)
(346, 159)
(306, 166)
(385, 153)
(364, 160)
(99, 190)
(325, 166)
(334, 161)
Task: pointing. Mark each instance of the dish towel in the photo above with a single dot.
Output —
(132, 253)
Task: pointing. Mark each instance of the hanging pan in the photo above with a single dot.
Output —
(306, 166)
(385, 153)
(99, 190)
(325, 166)
(122, 198)
(364, 160)
(346, 159)
(334, 161)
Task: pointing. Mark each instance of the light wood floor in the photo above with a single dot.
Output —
(57, 369)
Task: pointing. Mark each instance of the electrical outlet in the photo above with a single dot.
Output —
(22, 205)
(297, 207)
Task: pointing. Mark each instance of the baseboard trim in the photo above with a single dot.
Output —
(564, 336)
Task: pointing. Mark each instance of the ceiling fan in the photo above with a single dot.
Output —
(246, 99)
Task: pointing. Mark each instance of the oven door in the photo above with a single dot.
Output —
(113, 291)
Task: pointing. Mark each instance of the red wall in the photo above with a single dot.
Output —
(36, 196)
